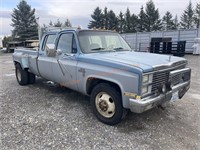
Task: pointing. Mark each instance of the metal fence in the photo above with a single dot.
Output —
(143, 38)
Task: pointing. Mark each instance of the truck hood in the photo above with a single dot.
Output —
(144, 61)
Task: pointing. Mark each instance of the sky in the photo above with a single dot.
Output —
(79, 11)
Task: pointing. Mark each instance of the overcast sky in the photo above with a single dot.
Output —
(79, 11)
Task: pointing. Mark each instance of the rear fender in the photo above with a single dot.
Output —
(22, 59)
(24, 62)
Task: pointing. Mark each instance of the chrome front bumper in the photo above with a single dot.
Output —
(139, 106)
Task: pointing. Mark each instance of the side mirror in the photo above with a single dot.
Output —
(59, 52)
(51, 52)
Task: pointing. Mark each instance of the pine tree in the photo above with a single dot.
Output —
(127, 27)
(152, 20)
(141, 20)
(121, 23)
(112, 20)
(67, 23)
(105, 18)
(197, 15)
(134, 23)
(58, 24)
(187, 18)
(50, 23)
(176, 23)
(97, 17)
(24, 22)
(168, 22)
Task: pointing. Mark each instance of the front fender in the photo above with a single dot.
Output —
(126, 83)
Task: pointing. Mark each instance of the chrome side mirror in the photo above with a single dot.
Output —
(59, 52)
(51, 52)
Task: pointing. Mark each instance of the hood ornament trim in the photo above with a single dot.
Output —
(170, 57)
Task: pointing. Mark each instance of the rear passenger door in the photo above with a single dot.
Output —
(64, 65)
(45, 62)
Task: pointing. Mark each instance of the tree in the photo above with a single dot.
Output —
(24, 22)
(134, 23)
(97, 17)
(168, 22)
(187, 18)
(6, 39)
(105, 18)
(127, 27)
(67, 23)
(176, 23)
(112, 20)
(58, 24)
(50, 23)
(197, 15)
(141, 20)
(152, 20)
(120, 23)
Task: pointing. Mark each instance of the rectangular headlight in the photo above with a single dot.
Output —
(145, 78)
(144, 90)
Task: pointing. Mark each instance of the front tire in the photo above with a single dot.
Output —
(21, 75)
(106, 104)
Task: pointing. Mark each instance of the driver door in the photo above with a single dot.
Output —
(64, 64)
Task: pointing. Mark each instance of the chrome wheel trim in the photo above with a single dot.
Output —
(105, 104)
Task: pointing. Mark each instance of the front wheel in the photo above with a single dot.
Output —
(106, 103)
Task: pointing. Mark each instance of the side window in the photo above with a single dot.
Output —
(49, 42)
(65, 43)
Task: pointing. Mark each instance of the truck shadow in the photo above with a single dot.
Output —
(74, 101)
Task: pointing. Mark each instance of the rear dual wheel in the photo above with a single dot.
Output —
(23, 76)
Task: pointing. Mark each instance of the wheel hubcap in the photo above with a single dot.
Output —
(105, 104)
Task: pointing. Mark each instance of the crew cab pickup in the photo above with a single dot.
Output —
(101, 64)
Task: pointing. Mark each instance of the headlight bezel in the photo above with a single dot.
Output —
(147, 80)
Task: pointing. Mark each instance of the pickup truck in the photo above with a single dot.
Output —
(101, 64)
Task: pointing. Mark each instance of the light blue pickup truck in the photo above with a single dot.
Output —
(102, 65)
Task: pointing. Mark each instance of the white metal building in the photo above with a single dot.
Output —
(136, 39)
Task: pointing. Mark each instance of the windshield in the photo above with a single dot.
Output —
(96, 41)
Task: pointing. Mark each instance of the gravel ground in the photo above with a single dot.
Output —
(45, 116)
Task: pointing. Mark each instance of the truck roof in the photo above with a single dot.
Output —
(78, 29)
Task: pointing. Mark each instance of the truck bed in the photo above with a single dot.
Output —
(27, 58)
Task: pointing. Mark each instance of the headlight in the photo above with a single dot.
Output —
(145, 78)
(144, 89)
(146, 83)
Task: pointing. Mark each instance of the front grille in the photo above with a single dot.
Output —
(161, 78)
(176, 79)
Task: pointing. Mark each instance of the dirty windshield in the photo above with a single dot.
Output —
(101, 41)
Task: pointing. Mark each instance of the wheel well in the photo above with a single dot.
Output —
(92, 82)
(15, 63)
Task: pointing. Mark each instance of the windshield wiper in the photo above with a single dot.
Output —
(96, 49)
(119, 48)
